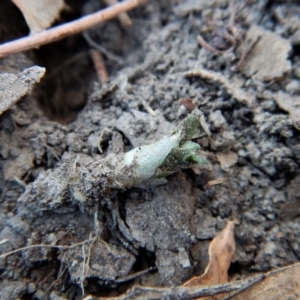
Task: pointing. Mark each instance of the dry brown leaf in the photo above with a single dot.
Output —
(40, 14)
(280, 284)
(227, 159)
(268, 56)
(221, 251)
(290, 104)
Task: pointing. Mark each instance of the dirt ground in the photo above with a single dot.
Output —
(54, 143)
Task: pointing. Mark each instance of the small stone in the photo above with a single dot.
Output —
(270, 248)
(293, 87)
(184, 258)
(227, 159)
(217, 119)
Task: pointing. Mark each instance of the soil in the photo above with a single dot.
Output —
(56, 144)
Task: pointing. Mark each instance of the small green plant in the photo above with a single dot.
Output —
(161, 158)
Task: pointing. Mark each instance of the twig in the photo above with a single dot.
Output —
(3, 241)
(182, 292)
(135, 275)
(244, 52)
(207, 46)
(59, 32)
(234, 293)
(56, 280)
(101, 49)
(123, 17)
(99, 66)
(148, 108)
(210, 48)
(233, 12)
(83, 270)
(241, 59)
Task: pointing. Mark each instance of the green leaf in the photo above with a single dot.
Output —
(189, 126)
(197, 159)
(190, 146)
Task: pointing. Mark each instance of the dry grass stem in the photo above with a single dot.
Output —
(217, 181)
(148, 108)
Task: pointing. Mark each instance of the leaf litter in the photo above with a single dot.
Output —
(40, 15)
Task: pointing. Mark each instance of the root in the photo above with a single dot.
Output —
(47, 246)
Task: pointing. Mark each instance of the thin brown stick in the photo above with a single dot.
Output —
(54, 282)
(207, 46)
(62, 31)
(183, 292)
(102, 50)
(233, 12)
(99, 66)
(123, 17)
(135, 275)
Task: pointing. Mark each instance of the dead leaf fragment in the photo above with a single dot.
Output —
(290, 104)
(268, 53)
(40, 14)
(227, 159)
(221, 251)
(14, 87)
(283, 283)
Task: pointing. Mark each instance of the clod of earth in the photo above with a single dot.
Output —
(14, 87)
(221, 251)
(147, 165)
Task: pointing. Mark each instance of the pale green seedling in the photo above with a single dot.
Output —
(161, 158)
